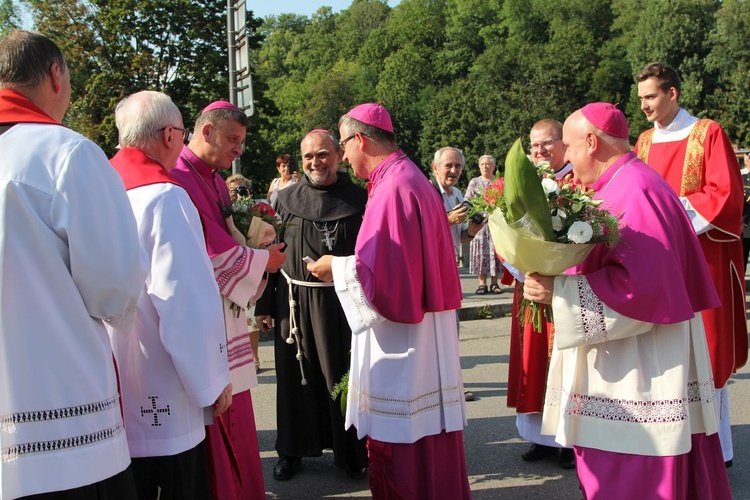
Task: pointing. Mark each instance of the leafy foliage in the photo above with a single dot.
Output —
(474, 74)
(8, 17)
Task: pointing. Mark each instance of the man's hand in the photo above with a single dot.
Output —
(538, 288)
(474, 228)
(265, 323)
(276, 257)
(223, 401)
(458, 214)
(321, 269)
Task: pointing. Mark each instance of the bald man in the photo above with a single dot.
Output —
(629, 384)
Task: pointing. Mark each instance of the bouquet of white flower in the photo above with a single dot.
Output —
(541, 224)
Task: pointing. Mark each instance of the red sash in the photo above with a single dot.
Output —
(138, 169)
(15, 108)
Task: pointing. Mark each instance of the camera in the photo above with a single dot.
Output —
(478, 218)
(243, 191)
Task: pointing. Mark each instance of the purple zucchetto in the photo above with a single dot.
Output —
(220, 105)
(374, 115)
(607, 118)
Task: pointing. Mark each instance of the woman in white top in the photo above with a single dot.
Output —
(287, 177)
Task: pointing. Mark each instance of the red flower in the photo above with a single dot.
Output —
(264, 208)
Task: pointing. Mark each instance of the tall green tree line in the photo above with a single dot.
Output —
(474, 74)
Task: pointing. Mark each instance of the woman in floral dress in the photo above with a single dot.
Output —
(482, 258)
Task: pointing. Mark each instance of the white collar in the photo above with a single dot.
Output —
(677, 130)
(563, 171)
(443, 191)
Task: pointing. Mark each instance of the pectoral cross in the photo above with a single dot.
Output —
(328, 240)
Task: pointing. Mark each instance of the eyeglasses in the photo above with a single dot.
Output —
(184, 131)
(343, 142)
(544, 144)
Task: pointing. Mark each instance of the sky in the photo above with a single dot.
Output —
(263, 8)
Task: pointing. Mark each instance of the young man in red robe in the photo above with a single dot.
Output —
(696, 158)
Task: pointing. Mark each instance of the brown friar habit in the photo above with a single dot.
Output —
(308, 420)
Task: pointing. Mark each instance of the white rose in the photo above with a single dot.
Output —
(580, 232)
(557, 223)
(550, 186)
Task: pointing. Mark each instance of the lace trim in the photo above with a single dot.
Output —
(122, 319)
(447, 396)
(592, 313)
(240, 355)
(235, 269)
(11, 453)
(9, 421)
(701, 392)
(239, 347)
(621, 410)
(359, 301)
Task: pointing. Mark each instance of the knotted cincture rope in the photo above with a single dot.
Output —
(294, 335)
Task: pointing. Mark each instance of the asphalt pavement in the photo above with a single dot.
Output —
(493, 448)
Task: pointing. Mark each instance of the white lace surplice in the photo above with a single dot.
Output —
(405, 380)
(622, 385)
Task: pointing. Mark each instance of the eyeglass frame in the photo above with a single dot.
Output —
(342, 142)
(185, 132)
(544, 144)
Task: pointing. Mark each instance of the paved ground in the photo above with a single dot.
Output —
(492, 446)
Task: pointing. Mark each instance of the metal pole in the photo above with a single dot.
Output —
(236, 164)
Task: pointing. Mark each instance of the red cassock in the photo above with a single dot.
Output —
(703, 168)
(528, 360)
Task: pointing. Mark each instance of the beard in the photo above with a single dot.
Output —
(321, 178)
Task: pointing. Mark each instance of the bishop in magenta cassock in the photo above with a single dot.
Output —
(629, 383)
(218, 138)
(405, 387)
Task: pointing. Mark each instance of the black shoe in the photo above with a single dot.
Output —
(728, 464)
(286, 467)
(538, 452)
(356, 472)
(567, 458)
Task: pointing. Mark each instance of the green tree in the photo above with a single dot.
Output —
(675, 32)
(331, 96)
(464, 25)
(415, 34)
(117, 47)
(729, 59)
(612, 80)
(279, 34)
(8, 17)
(354, 25)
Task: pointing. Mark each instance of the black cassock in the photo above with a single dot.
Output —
(320, 220)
